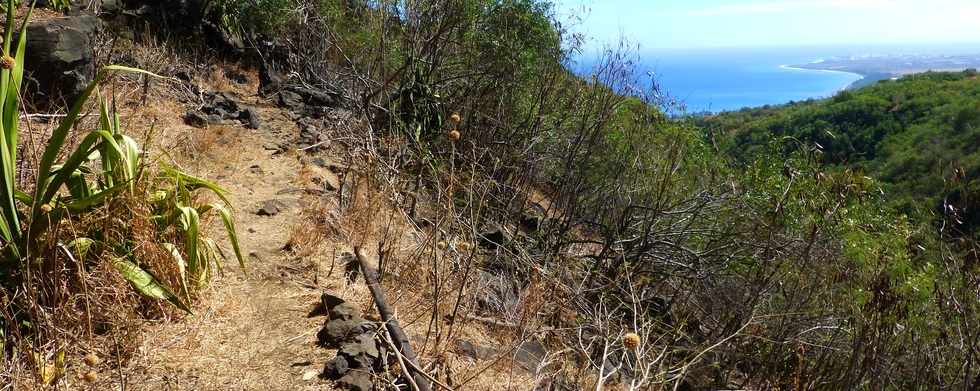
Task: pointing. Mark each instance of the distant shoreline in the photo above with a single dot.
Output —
(859, 81)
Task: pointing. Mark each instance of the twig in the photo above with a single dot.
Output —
(401, 361)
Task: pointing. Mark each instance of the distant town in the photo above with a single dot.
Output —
(880, 67)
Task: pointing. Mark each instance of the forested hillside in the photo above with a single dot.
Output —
(421, 195)
(919, 135)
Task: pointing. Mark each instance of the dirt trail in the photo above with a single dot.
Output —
(252, 331)
(248, 332)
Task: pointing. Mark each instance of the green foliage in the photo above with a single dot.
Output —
(105, 166)
(256, 16)
(913, 134)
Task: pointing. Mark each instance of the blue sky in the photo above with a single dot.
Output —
(758, 23)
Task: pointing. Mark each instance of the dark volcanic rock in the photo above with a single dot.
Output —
(336, 332)
(195, 119)
(493, 238)
(476, 352)
(531, 220)
(221, 106)
(308, 102)
(362, 352)
(250, 118)
(329, 301)
(530, 354)
(270, 80)
(343, 311)
(336, 368)
(271, 208)
(356, 381)
(59, 62)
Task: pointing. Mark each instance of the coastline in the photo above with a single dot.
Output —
(861, 77)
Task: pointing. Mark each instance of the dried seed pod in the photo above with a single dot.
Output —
(91, 359)
(631, 341)
(454, 135)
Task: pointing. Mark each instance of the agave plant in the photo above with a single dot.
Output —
(105, 163)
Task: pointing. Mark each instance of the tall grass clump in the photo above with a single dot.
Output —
(91, 218)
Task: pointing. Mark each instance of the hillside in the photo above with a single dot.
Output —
(916, 134)
(363, 195)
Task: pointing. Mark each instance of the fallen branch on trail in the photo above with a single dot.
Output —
(391, 324)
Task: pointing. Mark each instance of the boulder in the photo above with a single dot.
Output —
(250, 118)
(531, 220)
(59, 63)
(270, 80)
(305, 101)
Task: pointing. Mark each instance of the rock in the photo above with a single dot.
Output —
(195, 119)
(530, 354)
(221, 106)
(111, 6)
(250, 118)
(362, 352)
(325, 178)
(473, 351)
(494, 238)
(270, 80)
(531, 220)
(316, 97)
(59, 59)
(343, 311)
(356, 381)
(306, 101)
(333, 166)
(292, 101)
(501, 292)
(236, 77)
(275, 147)
(336, 368)
(309, 375)
(336, 332)
(310, 138)
(326, 303)
(271, 208)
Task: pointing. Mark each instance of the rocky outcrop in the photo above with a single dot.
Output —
(59, 62)
(182, 17)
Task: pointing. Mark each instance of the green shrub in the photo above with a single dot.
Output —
(103, 176)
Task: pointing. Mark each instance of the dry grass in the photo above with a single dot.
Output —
(251, 332)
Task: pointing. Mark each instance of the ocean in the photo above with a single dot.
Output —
(716, 80)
